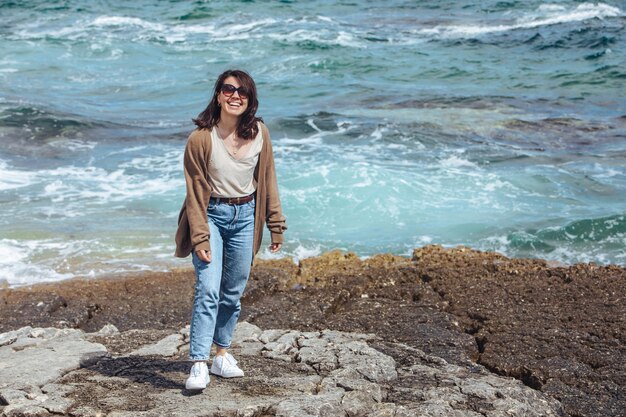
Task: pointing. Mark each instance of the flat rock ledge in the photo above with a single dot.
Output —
(68, 372)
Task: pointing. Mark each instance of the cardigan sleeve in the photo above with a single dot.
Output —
(276, 222)
(198, 189)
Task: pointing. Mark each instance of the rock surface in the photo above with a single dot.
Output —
(32, 359)
(288, 373)
(560, 330)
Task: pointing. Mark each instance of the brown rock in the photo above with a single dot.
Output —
(559, 329)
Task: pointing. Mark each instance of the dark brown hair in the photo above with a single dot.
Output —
(247, 127)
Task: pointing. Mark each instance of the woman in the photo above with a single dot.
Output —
(231, 193)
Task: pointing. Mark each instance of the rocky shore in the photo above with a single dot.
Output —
(448, 332)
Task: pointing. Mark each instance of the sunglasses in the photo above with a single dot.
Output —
(228, 90)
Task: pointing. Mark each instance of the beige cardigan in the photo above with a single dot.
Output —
(193, 227)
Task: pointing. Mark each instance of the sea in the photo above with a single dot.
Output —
(498, 125)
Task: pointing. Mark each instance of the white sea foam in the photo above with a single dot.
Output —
(600, 171)
(325, 19)
(109, 28)
(182, 32)
(495, 184)
(418, 242)
(170, 162)
(247, 27)
(498, 243)
(126, 21)
(32, 261)
(10, 252)
(378, 133)
(311, 123)
(100, 186)
(456, 162)
(34, 30)
(302, 252)
(295, 250)
(316, 139)
(323, 36)
(16, 267)
(544, 16)
(551, 8)
(74, 145)
(12, 178)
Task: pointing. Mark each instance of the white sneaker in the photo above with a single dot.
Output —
(198, 377)
(226, 366)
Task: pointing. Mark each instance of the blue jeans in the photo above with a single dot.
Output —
(220, 283)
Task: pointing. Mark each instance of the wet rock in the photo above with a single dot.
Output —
(556, 328)
(539, 324)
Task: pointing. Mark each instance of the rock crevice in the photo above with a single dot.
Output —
(288, 373)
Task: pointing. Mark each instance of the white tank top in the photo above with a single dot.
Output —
(230, 177)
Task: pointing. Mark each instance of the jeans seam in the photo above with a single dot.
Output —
(195, 316)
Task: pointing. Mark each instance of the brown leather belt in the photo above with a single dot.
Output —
(232, 200)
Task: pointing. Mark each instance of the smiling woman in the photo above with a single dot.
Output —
(231, 192)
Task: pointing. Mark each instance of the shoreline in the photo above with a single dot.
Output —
(4, 285)
(558, 329)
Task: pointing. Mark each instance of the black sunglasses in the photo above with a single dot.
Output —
(228, 90)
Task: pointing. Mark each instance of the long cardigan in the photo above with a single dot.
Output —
(193, 227)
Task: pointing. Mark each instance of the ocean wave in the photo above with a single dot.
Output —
(139, 29)
(84, 28)
(545, 15)
(70, 189)
(93, 185)
(31, 261)
(17, 268)
(225, 32)
(125, 21)
(296, 250)
(454, 161)
(318, 39)
(586, 240)
(318, 31)
(39, 123)
(588, 230)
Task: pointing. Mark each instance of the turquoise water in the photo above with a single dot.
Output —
(500, 125)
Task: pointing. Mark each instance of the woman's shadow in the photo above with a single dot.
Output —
(141, 369)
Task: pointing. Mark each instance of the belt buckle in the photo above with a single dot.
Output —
(238, 200)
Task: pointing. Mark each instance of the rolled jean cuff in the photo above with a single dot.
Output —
(198, 358)
(221, 345)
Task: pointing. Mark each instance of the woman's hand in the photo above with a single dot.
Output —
(204, 255)
(275, 247)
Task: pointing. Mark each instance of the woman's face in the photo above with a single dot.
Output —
(231, 103)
